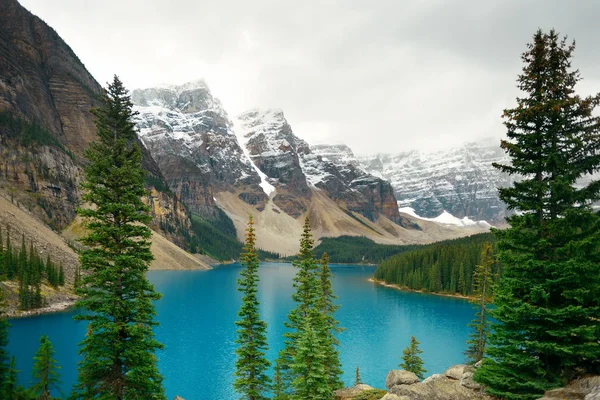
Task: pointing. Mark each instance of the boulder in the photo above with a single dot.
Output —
(594, 394)
(178, 398)
(468, 382)
(391, 396)
(350, 392)
(437, 388)
(400, 377)
(432, 377)
(456, 372)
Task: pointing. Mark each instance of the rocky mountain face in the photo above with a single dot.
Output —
(290, 163)
(460, 180)
(211, 161)
(45, 124)
(190, 136)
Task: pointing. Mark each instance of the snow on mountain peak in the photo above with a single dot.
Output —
(445, 218)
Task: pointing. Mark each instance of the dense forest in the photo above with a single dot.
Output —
(28, 268)
(445, 267)
(357, 250)
(216, 238)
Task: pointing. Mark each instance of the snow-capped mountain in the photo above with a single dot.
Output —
(295, 168)
(460, 181)
(256, 165)
(191, 137)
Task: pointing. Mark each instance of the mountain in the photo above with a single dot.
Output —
(45, 124)
(255, 164)
(460, 180)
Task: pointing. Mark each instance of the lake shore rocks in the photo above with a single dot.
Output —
(587, 388)
(349, 392)
(400, 377)
(456, 383)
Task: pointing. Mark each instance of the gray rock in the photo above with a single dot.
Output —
(456, 372)
(178, 398)
(468, 382)
(433, 377)
(400, 377)
(350, 392)
(594, 394)
(438, 388)
(391, 396)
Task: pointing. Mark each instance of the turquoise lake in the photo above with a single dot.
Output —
(198, 311)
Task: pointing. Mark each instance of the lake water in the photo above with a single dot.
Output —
(198, 311)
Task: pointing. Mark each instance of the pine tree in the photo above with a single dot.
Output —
(546, 304)
(462, 284)
(333, 367)
(118, 352)
(279, 392)
(45, 371)
(304, 322)
(11, 388)
(251, 381)
(357, 378)
(411, 361)
(310, 377)
(61, 275)
(482, 282)
(4, 356)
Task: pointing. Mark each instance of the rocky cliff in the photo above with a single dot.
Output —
(190, 136)
(45, 125)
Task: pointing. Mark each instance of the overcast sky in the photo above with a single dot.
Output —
(378, 75)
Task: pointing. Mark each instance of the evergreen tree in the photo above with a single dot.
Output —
(357, 378)
(45, 371)
(462, 284)
(61, 276)
(118, 352)
(4, 356)
(310, 377)
(12, 391)
(546, 304)
(411, 361)
(279, 392)
(304, 322)
(333, 367)
(251, 364)
(482, 282)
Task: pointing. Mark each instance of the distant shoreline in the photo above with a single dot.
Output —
(407, 289)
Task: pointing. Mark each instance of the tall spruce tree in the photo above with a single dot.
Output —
(305, 321)
(116, 298)
(483, 281)
(411, 360)
(251, 365)
(331, 362)
(311, 380)
(547, 301)
(45, 371)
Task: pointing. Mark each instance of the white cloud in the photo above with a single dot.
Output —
(383, 75)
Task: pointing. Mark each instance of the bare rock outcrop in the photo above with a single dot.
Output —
(453, 384)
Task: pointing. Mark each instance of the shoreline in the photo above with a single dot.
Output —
(50, 309)
(407, 289)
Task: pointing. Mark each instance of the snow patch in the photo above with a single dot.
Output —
(242, 140)
(445, 218)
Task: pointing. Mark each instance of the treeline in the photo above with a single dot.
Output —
(446, 266)
(358, 249)
(29, 269)
(218, 239)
